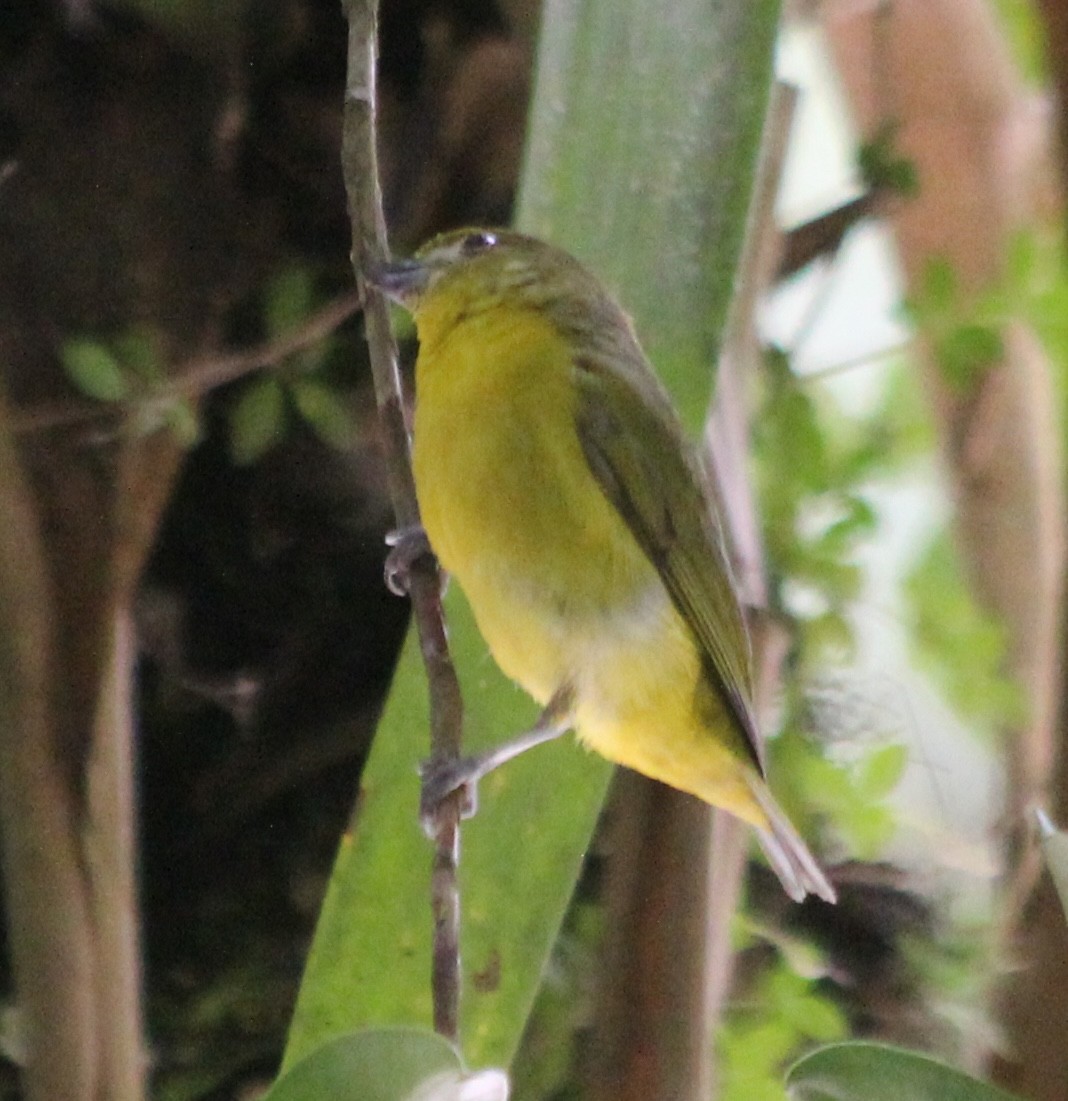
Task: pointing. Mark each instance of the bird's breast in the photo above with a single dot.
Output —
(504, 487)
(509, 502)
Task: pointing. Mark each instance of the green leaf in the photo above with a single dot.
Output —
(938, 289)
(822, 1020)
(962, 645)
(801, 438)
(812, 1016)
(805, 778)
(288, 302)
(858, 518)
(138, 350)
(370, 960)
(966, 352)
(1027, 36)
(901, 427)
(782, 1013)
(325, 412)
(751, 1056)
(94, 370)
(388, 1064)
(839, 580)
(258, 420)
(654, 198)
(182, 419)
(881, 770)
(878, 1072)
(868, 829)
(881, 166)
(829, 637)
(1022, 260)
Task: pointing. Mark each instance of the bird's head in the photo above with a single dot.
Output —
(467, 272)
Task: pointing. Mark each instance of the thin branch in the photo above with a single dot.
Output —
(865, 359)
(360, 169)
(823, 236)
(197, 376)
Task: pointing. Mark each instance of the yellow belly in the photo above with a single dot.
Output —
(561, 591)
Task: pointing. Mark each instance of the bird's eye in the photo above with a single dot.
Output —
(478, 242)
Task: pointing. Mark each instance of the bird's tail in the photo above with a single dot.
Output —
(787, 854)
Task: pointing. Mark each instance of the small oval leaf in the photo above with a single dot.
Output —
(94, 370)
(257, 420)
(182, 419)
(882, 770)
(288, 300)
(325, 412)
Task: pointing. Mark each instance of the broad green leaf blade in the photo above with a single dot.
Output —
(389, 1064)
(370, 961)
(643, 144)
(641, 156)
(878, 1072)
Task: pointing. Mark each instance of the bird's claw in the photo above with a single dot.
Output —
(442, 777)
(406, 547)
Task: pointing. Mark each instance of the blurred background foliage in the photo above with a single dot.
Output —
(170, 195)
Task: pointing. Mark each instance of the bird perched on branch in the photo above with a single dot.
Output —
(556, 485)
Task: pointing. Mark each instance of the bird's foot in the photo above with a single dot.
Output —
(406, 547)
(443, 777)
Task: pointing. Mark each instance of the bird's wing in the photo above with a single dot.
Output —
(642, 461)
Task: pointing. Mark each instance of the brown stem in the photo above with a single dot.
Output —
(110, 847)
(823, 236)
(652, 1038)
(360, 168)
(47, 906)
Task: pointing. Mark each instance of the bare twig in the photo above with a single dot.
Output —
(823, 236)
(360, 168)
(197, 376)
(853, 363)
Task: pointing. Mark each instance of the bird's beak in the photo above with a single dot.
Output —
(402, 280)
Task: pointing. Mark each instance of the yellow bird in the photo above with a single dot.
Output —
(556, 485)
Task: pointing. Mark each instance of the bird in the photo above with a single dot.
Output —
(557, 486)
